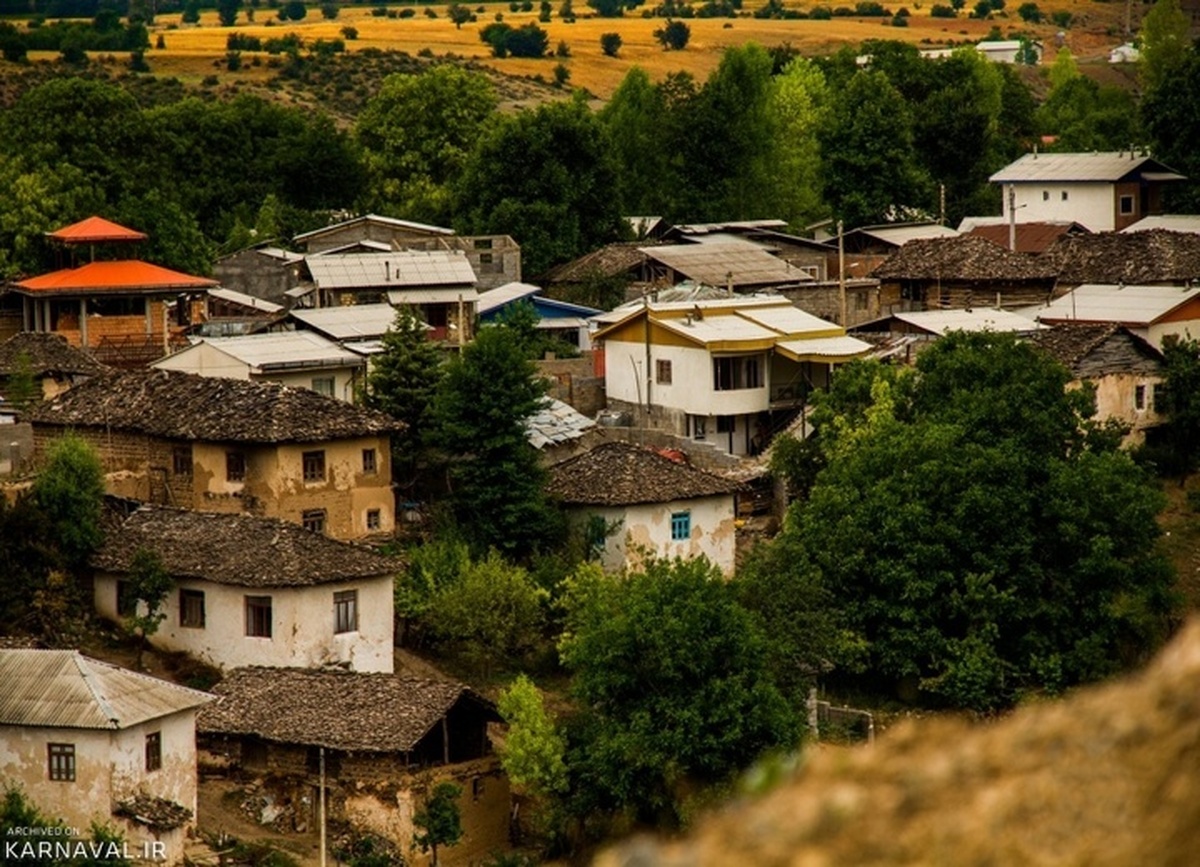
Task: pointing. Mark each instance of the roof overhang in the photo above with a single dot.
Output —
(432, 296)
(825, 350)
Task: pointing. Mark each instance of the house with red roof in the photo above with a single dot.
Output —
(120, 309)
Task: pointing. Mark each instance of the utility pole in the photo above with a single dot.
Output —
(842, 273)
(1012, 217)
(649, 373)
(321, 805)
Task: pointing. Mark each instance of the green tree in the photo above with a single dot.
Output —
(492, 613)
(227, 11)
(533, 749)
(1165, 43)
(459, 14)
(1171, 114)
(69, 491)
(439, 821)
(416, 133)
(19, 817)
(797, 108)
(21, 390)
(148, 583)
(191, 12)
(610, 44)
(404, 378)
(293, 10)
(635, 119)
(1178, 398)
(674, 35)
(670, 676)
(497, 484)
(976, 533)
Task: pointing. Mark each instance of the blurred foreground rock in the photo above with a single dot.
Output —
(1108, 776)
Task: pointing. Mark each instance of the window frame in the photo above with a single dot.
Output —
(186, 594)
(374, 519)
(259, 617)
(370, 462)
(235, 466)
(662, 371)
(312, 466)
(1139, 397)
(182, 462)
(127, 603)
(681, 525)
(325, 385)
(60, 762)
(314, 520)
(153, 751)
(345, 611)
(1122, 210)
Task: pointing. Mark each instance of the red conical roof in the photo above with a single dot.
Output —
(95, 230)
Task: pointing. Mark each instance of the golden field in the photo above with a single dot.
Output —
(193, 51)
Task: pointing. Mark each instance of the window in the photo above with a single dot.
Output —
(736, 373)
(323, 385)
(235, 467)
(681, 526)
(126, 601)
(1045, 195)
(369, 464)
(154, 751)
(699, 427)
(345, 611)
(258, 616)
(485, 258)
(1126, 204)
(374, 521)
(662, 371)
(1064, 195)
(181, 460)
(313, 519)
(62, 762)
(191, 609)
(725, 424)
(314, 466)
(1139, 397)
(476, 788)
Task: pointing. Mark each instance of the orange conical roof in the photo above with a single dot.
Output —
(95, 230)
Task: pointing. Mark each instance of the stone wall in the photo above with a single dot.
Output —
(574, 382)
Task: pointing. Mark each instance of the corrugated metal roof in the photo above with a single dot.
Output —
(401, 297)
(506, 294)
(556, 422)
(64, 689)
(703, 228)
(1126, 305)
(824, 349)
(1170, 222)
(285, 349)
(375, 218)
(901, 235)
(349, 322)
(722, 264)
(361, 246)
(245, 300)
(404, 268)
(786, 319)
(941, 321)
(1104, 167)
(719, 329)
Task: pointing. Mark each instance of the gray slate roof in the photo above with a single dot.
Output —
(556, 423)
(1152, 256)
(65, 689)
(341, 710)
(47, 354)
(620, 474)
(240, 550)
(185, 406)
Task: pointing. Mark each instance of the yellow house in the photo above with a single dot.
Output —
(227, 445)
(728, 371)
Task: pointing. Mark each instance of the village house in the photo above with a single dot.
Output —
(299, 359)
(358, 325)
(1169, 222)
(728, 371)
(812, 257)
(1020, 237)
(53, 363)
(1149, 312)
(227, 445)
(120, 310)
(439, 285)
(650, 505)
(932, 324)
(263, 271)
(254, 591)
(738, 266)
(229, 313)
(495, 259)
(1102, 191)
(1151, 257)
(568, 322)
(1124, 369)
(90, 742)
(618, 264)
(866, 247)
(963, 272)
(385, 741)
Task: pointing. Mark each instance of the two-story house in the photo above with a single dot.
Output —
(229, 445)
(727, 371)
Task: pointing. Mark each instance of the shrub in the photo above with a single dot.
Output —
(610, 44)
(351, 33)
(561, 74)
(329, 11)
(871, 9)
(899, 20)
(1062, 19)
(820, 13)
(674, 36)
(293, 10)
(1030, 12)
(563, 49)
(940, 11)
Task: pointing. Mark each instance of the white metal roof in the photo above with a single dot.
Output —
(703, 228)
(1103, 167)
(722, 264)
(1170, 222)
(64, 689)
(396, 269)
(375, 218)
(285, 349)
(501, 295)
(402, 297)
(245, 300)
(354, 321)
(785, 319)
(1127, 305)
(984, 319)
(359, 245)
(556, 422)
(903, 233)
(824, 349)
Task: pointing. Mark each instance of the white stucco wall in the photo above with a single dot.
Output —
(691, 387)
(648, 527)
(109, 767)
(1186, 329)
(302, 630)
(1090, 204)
(205, 359)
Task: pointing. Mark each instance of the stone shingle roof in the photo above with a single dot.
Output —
(238, 549)
(341, 710)
(47, 354)
(962, 258)
(1090, 350)
(608, 261)
(556, 423)
(184, 406)
(619, 474)
(1132, 258)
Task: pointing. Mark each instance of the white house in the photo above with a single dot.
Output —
(651, 503)
(88, 741)
(300, 359)
(255, 591)
(1148, 312)
(724, 371)
(1008, 50)
(1102, 191)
